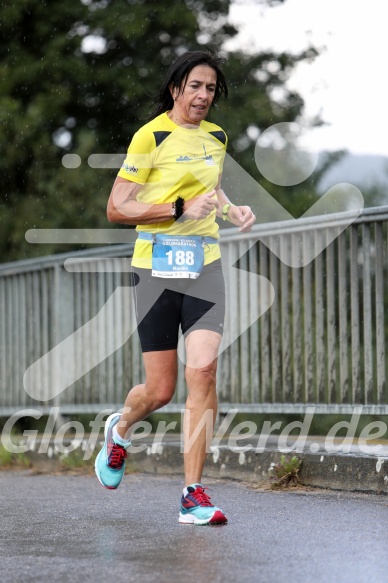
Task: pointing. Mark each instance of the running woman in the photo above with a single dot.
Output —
(170, 188)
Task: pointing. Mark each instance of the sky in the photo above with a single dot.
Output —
(346, 83)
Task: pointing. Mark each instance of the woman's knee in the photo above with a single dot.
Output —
(202, 379)
(160, 396)
(161, 376)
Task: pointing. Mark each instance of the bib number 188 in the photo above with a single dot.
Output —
(180, 258)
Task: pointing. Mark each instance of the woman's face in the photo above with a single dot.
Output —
(193, 103)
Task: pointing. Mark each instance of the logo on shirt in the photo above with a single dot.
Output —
(130, 169)
(209, 160)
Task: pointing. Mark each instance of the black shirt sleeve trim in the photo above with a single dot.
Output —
(160, 137)
(220, 135)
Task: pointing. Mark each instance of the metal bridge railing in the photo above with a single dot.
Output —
(321, 343)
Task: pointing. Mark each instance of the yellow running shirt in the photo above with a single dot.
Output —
(171, 161)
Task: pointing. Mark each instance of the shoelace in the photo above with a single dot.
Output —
(117, 457)
(201, 497)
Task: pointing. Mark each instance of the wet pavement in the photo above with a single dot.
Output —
(64, 528)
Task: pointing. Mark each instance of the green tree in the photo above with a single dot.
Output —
(78, 77)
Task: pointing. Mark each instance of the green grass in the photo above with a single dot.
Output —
(12, 460)
(74, 460)
(286, 473)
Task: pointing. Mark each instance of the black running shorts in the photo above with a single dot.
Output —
(164, 305)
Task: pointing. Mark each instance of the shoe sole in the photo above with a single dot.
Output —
(217, 518)
(107, 423)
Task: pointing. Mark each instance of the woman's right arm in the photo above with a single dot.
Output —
(123, 206)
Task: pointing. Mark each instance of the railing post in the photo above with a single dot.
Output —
(63, 326)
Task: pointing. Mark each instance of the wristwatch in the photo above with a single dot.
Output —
(225, 210)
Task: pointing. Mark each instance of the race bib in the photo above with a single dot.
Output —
(177, 256)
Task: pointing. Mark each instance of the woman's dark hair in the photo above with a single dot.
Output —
(177, 75)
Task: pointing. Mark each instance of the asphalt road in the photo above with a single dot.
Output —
(70, 529)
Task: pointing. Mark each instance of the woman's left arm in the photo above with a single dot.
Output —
(241, 216)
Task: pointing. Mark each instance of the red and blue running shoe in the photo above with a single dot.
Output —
(110, 462)
(196, 508)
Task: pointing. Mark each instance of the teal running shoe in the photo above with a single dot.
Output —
(110, 462)
(197, 509)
